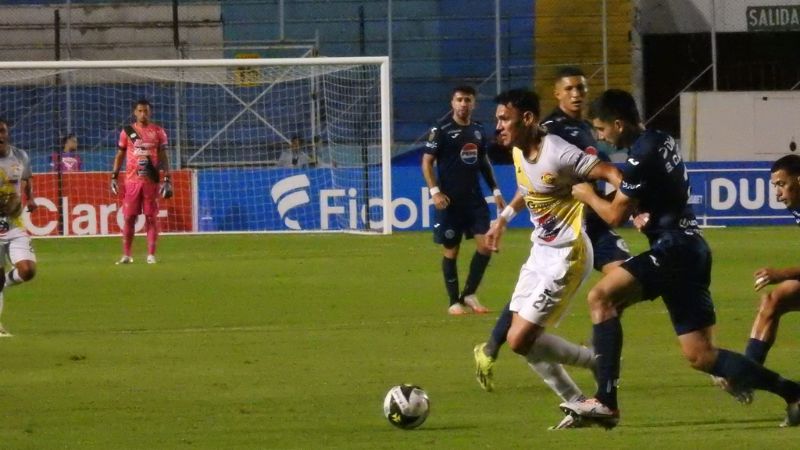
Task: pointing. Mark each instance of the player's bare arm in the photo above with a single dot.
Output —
(498, 199)
(118, 161)
(616, 211)
(607, 172)
(440, 200)
(114, 185)
(27, 189)
(488, 174)
(499, 226)
(163, 160)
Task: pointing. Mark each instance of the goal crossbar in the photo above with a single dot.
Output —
(176, 63)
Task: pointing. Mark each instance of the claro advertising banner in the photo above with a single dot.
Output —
(269, 199)
(89, 208)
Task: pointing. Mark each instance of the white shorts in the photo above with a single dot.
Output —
(549, 279)
(16, 245)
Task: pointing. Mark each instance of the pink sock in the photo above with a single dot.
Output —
(127, 235)
(151, 223)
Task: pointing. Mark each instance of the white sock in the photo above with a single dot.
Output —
(2, 300)
(549, 347)
(12, 277)
(557, 379)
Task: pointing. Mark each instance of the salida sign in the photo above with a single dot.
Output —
(89, 208)
(773, 18)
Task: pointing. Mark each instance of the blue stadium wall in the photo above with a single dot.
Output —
(436, 45)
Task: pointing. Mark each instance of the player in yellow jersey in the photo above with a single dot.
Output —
(15, 242)
(546, 167)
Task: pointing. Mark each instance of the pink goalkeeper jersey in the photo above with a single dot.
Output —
(151, 138)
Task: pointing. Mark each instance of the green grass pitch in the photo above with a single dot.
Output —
(291, 341)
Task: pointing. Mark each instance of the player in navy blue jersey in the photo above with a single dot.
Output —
(677, 267)
(565, 121)
(458, 147)
(785, 297)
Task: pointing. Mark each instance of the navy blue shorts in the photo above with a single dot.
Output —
(678, 269)
(462, 218)
(608, 246)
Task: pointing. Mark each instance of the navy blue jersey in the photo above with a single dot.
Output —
(460, 153)
(575, 131)
(796, 214)
(655, 174)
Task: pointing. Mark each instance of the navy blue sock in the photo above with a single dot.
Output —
(745, 373)
(757, 350)
(450, 272)
(499, 332)
(477, 267)
(607, 341)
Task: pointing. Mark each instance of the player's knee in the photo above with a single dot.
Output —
(450, 252)
(599, 299)
(703, 362)
(770, 305)
(26, 271)
(518, 342)
(702, 358)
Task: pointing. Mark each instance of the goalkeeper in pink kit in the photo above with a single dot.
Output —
(143, 145)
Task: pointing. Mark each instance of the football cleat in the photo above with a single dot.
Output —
(472, 301)
(125, 260)
(484, 368)
(592, 409)
(792, 414)
(743, 396)
(457, 309)
(4, 333)
(151, 259)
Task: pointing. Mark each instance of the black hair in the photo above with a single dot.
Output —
(5, 121)
(788, 163)
(142, 101)
(66, 138)
(465, 88)
(569, 71)
(615, 104)
(523, 100)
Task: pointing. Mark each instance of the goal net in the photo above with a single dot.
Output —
(255, 145)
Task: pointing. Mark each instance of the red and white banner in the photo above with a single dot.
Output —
(89, 208)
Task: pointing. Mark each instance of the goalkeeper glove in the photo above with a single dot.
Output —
(114, 186)
(166, 188)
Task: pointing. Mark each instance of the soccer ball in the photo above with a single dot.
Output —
(406, 406)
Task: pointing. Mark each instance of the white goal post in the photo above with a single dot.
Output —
(232, 126)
